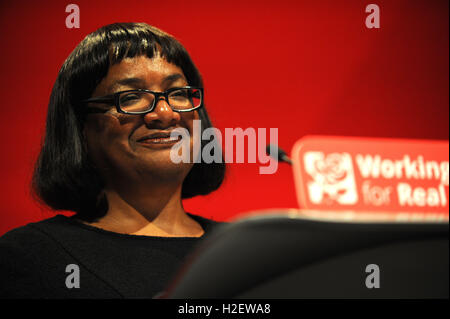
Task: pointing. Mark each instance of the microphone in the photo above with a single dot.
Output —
(279, 155)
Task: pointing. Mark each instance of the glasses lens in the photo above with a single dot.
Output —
(136, 101)
(184, 99)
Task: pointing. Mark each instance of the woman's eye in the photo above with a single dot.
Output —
(130, 98)
(180, 94)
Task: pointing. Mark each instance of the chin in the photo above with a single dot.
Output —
(164, 168)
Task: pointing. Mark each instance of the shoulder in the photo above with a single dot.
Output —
(24, 252)
(40, 240)
(21, 237)
(31, 234)
(20, 250)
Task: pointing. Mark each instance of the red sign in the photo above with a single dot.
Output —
(397, 177)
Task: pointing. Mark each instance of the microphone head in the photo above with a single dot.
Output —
(277, 153)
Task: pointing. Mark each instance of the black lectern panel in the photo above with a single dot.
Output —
(405, 272)
(282, 257)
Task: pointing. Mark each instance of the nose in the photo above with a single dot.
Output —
(162, 115)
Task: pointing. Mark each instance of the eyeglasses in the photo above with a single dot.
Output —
(182, 99)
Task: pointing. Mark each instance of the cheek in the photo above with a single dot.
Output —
(105, 136)
(97, 130)
(195, 131)
(187, 121)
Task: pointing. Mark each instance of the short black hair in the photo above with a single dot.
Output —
(64, 176)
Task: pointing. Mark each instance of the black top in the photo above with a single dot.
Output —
(34, 260)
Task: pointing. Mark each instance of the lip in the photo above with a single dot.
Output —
(159, 138)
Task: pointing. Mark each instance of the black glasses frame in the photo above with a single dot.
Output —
(114, 99)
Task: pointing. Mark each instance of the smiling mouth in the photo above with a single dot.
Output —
(159, 138)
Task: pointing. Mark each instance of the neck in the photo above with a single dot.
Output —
(149, 212)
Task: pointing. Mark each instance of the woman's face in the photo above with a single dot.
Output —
(118, 143)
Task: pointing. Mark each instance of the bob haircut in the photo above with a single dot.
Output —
(64, 176)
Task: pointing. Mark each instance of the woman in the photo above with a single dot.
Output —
(106, 156)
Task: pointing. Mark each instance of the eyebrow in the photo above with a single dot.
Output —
(126, 82)
(140, 82)
(172, 78)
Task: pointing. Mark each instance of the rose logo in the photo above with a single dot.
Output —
(333, 180)
(332, 168)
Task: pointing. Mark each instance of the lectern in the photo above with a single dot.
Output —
(284, 255)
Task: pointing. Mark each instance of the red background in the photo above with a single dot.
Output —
(304, 67)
